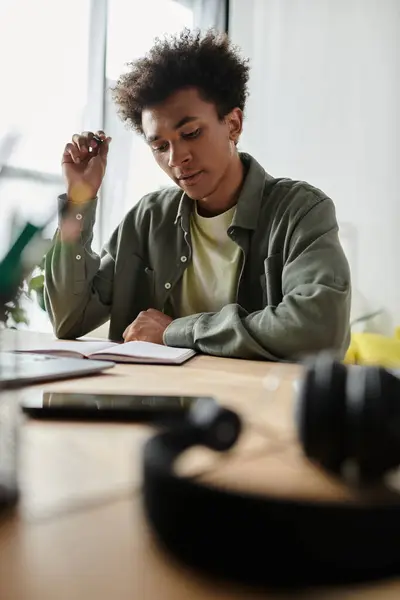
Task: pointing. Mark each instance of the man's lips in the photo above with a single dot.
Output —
(190, 178)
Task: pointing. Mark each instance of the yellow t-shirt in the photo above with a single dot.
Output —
(210, 281)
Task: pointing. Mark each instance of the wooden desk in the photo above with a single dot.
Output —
(79, 532)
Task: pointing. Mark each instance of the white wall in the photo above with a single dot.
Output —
(324, 107)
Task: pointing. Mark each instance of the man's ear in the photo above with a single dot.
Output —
(235, 124)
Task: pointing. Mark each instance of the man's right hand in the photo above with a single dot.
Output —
(84, 164)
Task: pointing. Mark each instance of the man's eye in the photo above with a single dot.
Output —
(161, 148)
(192, 134)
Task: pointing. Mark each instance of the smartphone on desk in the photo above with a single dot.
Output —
(109, 407)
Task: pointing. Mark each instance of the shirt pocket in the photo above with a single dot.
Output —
(271, 280)
(150, 279)
(136, 282)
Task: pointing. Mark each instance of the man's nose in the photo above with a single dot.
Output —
(178, 155)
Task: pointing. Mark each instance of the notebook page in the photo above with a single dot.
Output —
(67, 346)
(147, 350)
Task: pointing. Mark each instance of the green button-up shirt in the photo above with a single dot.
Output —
(293, 296)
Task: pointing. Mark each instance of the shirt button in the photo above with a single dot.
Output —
(78, 216)
(183, 259)
(167, 286)
(78, 257)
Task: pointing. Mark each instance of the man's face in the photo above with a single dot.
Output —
(190, 143)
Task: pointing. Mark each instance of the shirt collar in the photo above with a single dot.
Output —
(249, 201)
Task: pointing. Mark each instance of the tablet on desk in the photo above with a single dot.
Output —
(109, 406)
(17, 370)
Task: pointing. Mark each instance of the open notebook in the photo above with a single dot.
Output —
(129, 352)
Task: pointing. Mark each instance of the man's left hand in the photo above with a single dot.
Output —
(149, 326)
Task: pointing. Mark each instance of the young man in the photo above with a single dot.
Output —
(229, 261)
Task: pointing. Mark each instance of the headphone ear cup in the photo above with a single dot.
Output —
(321, 413)
(373, 415)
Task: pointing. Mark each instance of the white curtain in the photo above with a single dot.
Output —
(324, 107)
(131, 171)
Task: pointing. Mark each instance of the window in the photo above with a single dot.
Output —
(43, 72)
(132, 171)
(44, 76)
(128, 37)
(58, 61)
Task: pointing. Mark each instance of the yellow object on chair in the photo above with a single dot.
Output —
(374, 349)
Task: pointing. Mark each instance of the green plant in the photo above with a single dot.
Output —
(14, 314)
(36, 285)
(32, 289)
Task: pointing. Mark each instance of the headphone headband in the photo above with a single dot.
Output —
(260, 540)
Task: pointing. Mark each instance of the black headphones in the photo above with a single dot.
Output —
(346, 417)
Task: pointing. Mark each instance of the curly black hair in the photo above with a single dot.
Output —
(207, 61)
